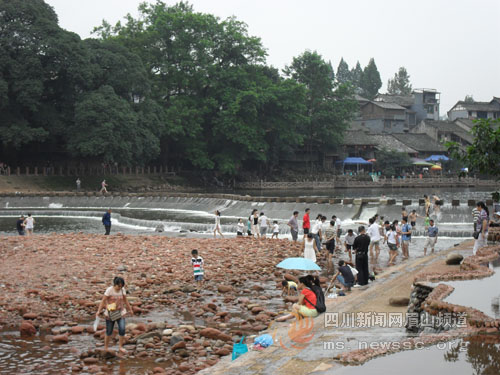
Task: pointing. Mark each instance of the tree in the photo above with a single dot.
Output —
(392, 162)
(400, 84)
(343, 72)
(469, 99)
(370, 81)
(483, 155)
(329, 107)
(356, 74)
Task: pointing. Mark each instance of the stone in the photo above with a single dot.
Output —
(90, 360)
(222, 352)
(167, 332)
(77, 329)
(399, 301)
(176, 339)
(179, 345)
(188, 289)
(30, 316)
(224, 288)
(210, 333)
(27, 329)
(454, 259)
(61, 338)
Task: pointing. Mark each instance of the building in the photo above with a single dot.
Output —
(423, 144)
(378, 117)
(475, 110)
(444, 131)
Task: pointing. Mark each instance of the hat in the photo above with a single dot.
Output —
(497, 213)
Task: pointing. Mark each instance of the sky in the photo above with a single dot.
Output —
(448, 45)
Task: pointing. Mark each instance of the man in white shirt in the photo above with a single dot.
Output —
(316, 230)
(263, 225)
(374, 233)
(338, 224)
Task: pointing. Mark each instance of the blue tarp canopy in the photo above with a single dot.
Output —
(354, 161)
(438, 158)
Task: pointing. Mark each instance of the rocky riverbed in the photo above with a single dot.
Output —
(51, 286)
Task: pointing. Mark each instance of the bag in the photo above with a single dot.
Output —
(476, 234)
(354, 271)
(320, 300)
(239, 349)
(114, 315)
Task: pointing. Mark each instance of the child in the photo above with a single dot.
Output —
(249, 226)
(197, 263)
(276, 229)
(289, 287)
(241, 228)
(349, 241)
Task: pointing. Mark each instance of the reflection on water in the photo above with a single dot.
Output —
(481, 352)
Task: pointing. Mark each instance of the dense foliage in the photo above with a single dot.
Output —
(172, 86)
(400, 84)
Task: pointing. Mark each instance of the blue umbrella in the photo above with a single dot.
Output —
(438, 158)
(299, 264)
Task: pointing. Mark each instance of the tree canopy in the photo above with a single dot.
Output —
(370, 81)
(400, 84)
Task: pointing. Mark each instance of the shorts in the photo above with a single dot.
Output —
(263, 231)
(249, 232)
(292, 288)
(392, 247)
(430, 242)
(376, 243)
(255, 230)
(306, 311)
(406, 242)
(348, 247)
(330, 246)
(110, 325)
(306, 230)
(295, 234)
(341, 280)
(198, 277)
(239, 234)
(413, 223)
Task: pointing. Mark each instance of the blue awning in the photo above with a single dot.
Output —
(438, 158)
(355, 160)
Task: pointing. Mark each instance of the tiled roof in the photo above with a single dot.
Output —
(402, 100)
(420, 142)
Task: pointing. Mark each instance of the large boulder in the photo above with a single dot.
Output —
(454, 259)
(224, 288)
(27, 329)
(399, 301)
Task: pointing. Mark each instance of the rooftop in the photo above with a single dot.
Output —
(387, 105)
(420, 142)
(388, 142)
(402, 100)
(478, 106)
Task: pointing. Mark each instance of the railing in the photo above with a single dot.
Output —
(85, 171)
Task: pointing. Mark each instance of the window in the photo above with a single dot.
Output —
(482, 114)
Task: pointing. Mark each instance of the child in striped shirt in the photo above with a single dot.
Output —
(197, 263)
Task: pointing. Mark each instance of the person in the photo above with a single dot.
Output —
(249, 226)
(276, 229)
(344, 276)
(475, 215)
(374, 233)
(360, 246)
(318, 292)
(106, 221)
(20, 225)
(78, 184)
(316, 230)
(412, 218)
(338, 223)
(495, 222)
(29, 225)
(217, 227)
(289, 287)
(294, 225)
(432, 236)
(307, 299)
(306, 223)
(392, 238)
(330, 235)
(197, 263)
(240, 227)
(349, 242)
(115, 298)
(310, 248)
(481, 227)
(406, 238)
(437, 203)
(263, 224)
(403, 212)
(104, 186)
(427, 203)
(255, 223)
(427, 221)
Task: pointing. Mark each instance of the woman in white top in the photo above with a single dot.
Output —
(310, 248)
(392, 238)
(115, 299)
(29, 225)
(217, 227)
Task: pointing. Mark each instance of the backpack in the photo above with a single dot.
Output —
(320, 299)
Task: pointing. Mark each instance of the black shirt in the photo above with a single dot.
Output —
(19, 225)
(361, 244)
(347, 274)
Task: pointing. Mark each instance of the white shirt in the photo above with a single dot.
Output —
(29, 223)
(263, 221)
(241, 227)
(316, 227)
(391, 237)
(276, 228)
(338, 223)
(374, 232)
(350, 239)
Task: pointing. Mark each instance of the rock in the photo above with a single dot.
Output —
(290, 277)
(222, 352)
(167, 332)
(90, 360)
(454, 259)
(122, 268)
(292, 299)
(210, 333)
(148, 335)
(257, 309)
(399, 301)
(27, 329)
(257, 288)
(225, 337)
(30, 316)
(179, 345)
(182, 352)
(224, 288)
(61, 338)
(188, 327)
(106, 354)
(176, 339)
(77, 329)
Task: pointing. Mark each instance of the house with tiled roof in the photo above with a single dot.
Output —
(423, 144)
(475, 110)
(444, 131)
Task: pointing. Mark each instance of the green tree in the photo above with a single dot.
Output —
(391, 162)
(400, 84)
(329, 107)
(343, 72)
(370, 81)
(356, 74)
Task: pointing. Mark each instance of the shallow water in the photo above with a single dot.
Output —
(479, 355)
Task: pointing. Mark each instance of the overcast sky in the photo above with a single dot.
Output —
(448, 45)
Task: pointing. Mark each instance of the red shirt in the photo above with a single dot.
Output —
(306, 224)
(311, 297)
